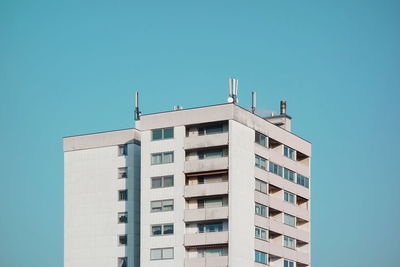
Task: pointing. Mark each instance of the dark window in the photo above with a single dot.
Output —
(123, 195)
(122, 150)
(122, 217)
(123, 262)
(123, 240)
(159, 134)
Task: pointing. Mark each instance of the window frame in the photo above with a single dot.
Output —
(259, 165)
(162, 133)
(162, 229)
(122, 172)
(261, 230)
(287, 240)
(289, 194)
(290, 151)
(261, 207)
(123, 213)
(162, 178)
(123, 150)
(306, 180)
(262, 254)
(121, 191)
(119, 240)
(295, 219)
(124, 263)
(162, 157)
(288, 263)
(261, 182)
(275, 168)
(162, 205)
(162, 253)
(258, 137)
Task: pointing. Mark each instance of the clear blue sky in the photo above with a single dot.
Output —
(71, 67)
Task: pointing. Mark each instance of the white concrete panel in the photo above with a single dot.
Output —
(241, 195)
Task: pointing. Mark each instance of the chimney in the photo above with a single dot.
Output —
(282, 120)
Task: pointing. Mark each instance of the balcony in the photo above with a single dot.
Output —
(201, 239)
(201, 165)
(217, 261)
(280, 251)
(201, 141)
(209, 189)
(195, 215)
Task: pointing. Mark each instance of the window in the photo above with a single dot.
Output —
(288, 175)
(289, 242)
(123, 150)
(261, 162)
(261, 233)
(123, 172)
(213, 129)
(123, 217)
(123, 240)
(210, 203)
(210, 227)
(161, 253)
(261, 257)
(261, 210)
(261, 139)
(210, 252)
(123, 195)
(160, 134)
(162, 158)
(261, 186)
(289, 220)
(275, 168)
(213, 153)
(288, 263)
(123, 262)
(162, 181)
(302, 180)
(289, 197)
(162, 205)
(166, 229)
(288, 152)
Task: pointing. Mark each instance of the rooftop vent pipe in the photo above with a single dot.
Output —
(283, 107)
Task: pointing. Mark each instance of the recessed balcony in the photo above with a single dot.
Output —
(202, 141)
(216, 261)
(209, 189)
(195, 215)
(210, 238)
(202, 165)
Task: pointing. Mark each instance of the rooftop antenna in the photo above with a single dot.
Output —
(253, 102)
(233, 90)
(137, 112)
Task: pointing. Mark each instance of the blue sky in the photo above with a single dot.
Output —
(71, 67)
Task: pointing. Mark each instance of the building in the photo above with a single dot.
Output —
(217, 186)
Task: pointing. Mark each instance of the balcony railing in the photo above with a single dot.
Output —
(201, 141)
(216, 261)
(209, 189)
(202, 165)
(194, 215)
(210, 238)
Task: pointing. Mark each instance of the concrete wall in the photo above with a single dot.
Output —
(241, 195)
(91, 203)
(176, 193)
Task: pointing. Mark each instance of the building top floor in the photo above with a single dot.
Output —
(103, 139)
(223, 112)
(184, 117)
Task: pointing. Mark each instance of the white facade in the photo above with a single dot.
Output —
(91, 204)
(224, 207)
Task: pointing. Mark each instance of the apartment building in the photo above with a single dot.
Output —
(217, 186)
